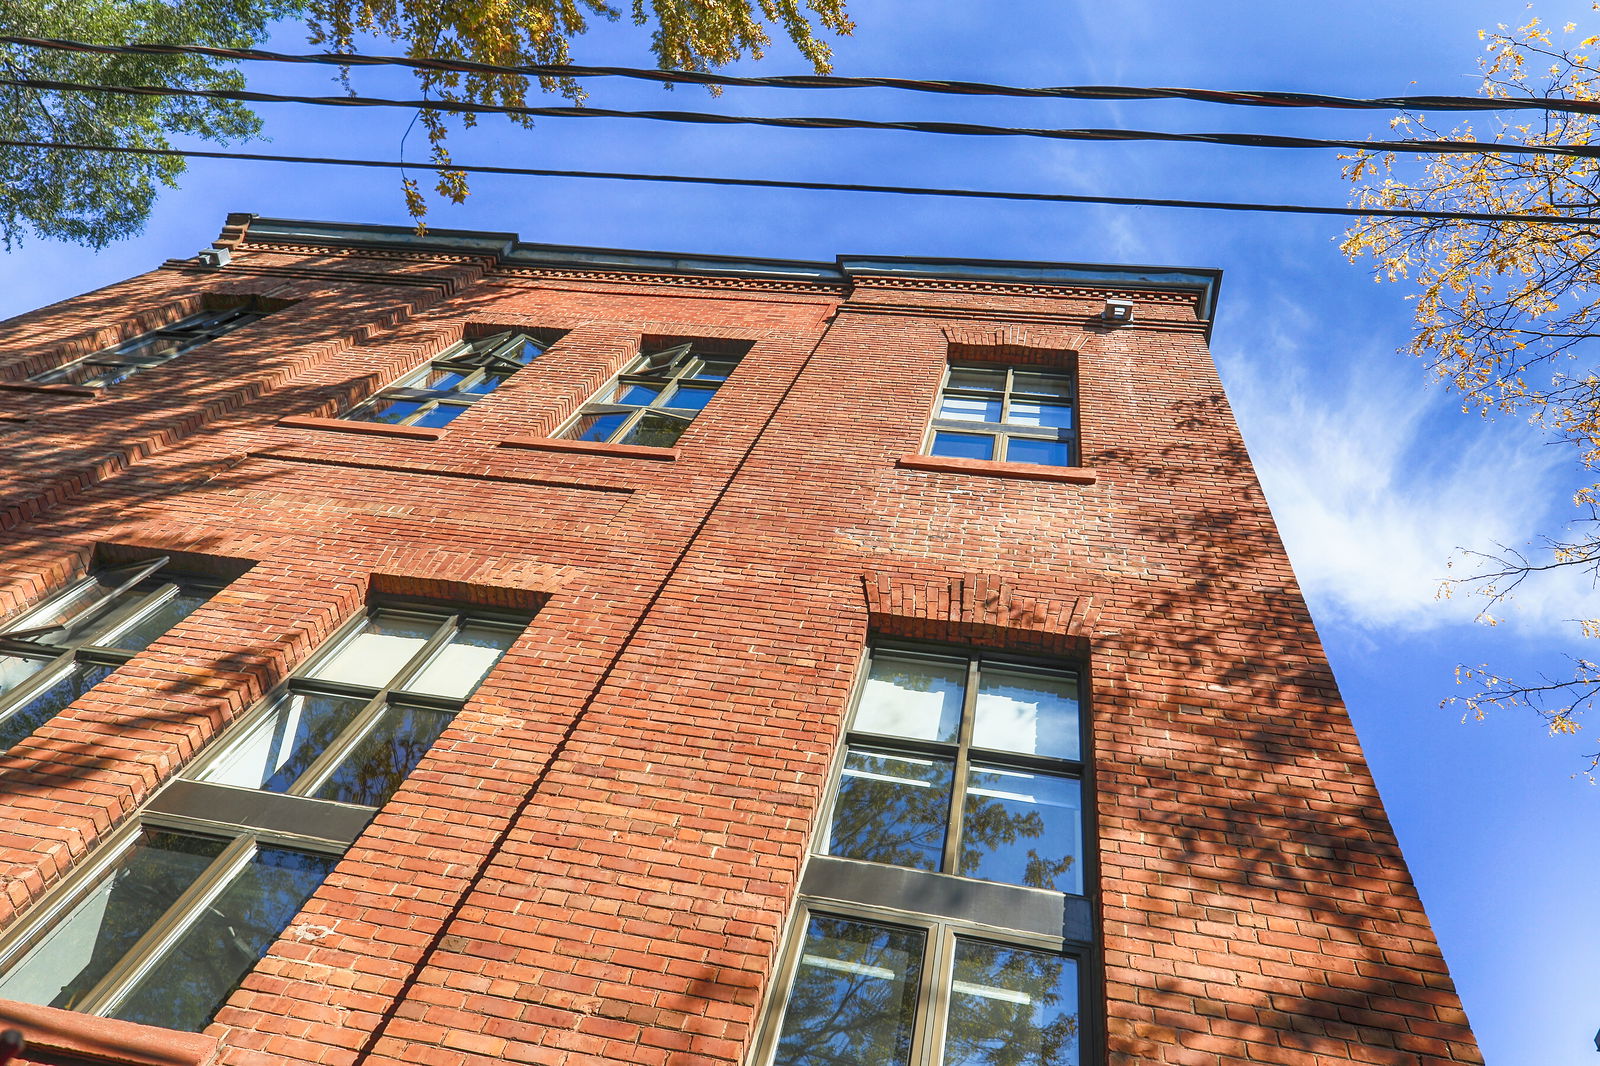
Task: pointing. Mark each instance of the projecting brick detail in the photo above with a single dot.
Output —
(597, 862)
(977, 609)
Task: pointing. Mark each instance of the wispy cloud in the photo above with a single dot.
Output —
(1377, 483)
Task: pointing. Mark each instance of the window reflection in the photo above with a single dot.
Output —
(853, 1000)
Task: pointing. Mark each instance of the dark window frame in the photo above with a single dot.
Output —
(61, 646)
(948, 906)
(477, 360)
(1002, 432)
(123, 360)
(667, 371)
(249, 819)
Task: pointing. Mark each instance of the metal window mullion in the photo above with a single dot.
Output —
(164, 931)
(127, 614)
(24, 693)
(312, 777)
(140, 572)
(627, 424)
(958, 781)
(939, 970)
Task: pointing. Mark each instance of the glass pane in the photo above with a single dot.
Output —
(1027, 712)
(714, 370)
(525, 352)
(1040, 452)
(638, 395)
(988, 379)
(156, 621)
(196, 975)
(1058, 386)
(438, 379)
(486, 384)
(75, 603)
(910, 697)
(90, 938)
(1011, 1007)
(963, 445)
(389, 412)
(375, 654)
(1022, 828)
(381, 760)
(597, 427)
(656, 431)
(277, 750)
(149, 350)
(45, 705)
(439, 414)
(1033, 413)
(461, 664)
(891, 809)
(15, 669)
(854, 997)
(690, 398)
(969, 409)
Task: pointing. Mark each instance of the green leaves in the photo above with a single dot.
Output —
(93, 199)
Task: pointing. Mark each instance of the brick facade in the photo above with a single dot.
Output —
(597, 860)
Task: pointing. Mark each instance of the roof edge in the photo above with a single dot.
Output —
(510, 250)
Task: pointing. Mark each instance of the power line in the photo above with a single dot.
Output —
(965, 129)
(1236, 97)
(828, 186)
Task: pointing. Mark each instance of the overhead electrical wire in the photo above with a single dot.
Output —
(901, 190)
(967, 129)
(1236, 97)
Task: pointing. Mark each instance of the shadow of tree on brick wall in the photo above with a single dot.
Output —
(1254, 885)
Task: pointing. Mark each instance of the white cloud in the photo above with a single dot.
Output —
(1377, 482)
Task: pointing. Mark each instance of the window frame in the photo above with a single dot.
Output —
(295, 811)
(248, 819)
(58, 656)
(190, 332)
(241, 844)
(951, 906)
(476, 360)
(666, 370)
(1003, 431)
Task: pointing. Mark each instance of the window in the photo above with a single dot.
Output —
(654, 400)
(162, 926)
(446, 387)
(65, 646)
(1010, 414)
(942, 920)
(119, 363)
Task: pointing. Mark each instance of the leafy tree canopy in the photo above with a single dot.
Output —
(95, 199)
(1506, 312)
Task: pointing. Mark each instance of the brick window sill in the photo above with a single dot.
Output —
(72, 1037)
(80, 391)
(372, 429)
(588, 447)
(1071, 475)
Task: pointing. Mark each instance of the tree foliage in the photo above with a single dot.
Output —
(692, 35)
(97, 198)
(94, 199)
(1506, 311)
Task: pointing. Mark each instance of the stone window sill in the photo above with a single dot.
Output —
(587, 447)
(72, 1037)
(82, 391)
(374, 429)
(1072, 475)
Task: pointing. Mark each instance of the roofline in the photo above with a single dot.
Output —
(510, 250)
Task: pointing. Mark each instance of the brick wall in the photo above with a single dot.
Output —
(596, 862)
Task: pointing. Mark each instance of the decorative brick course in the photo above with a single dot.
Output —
(596, 862)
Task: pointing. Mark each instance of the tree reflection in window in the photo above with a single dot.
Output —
(854, 996)
(948, 767)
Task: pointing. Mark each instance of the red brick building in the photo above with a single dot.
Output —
(453, 650)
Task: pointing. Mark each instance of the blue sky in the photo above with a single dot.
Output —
(1375, 478)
